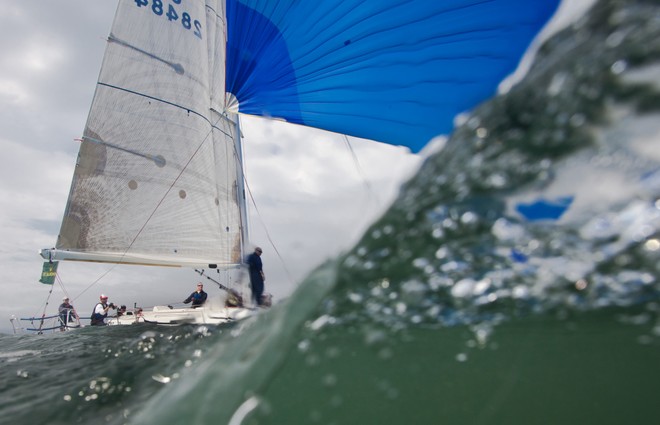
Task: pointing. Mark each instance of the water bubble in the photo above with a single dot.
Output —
(438, 233)
(355, 297)
(450, 266)
(420, 262)
(469, 218)
(482, 286)
(463, 288)
(329, 380)
(482, 334)
(558, 81)
(160, 378)
(441, 253)
(504, 230)
(615, 39)
(304, 345)
(203, 330)
(578, 120)
(320, 322)
(461, 357)
(434, 311)
(618, 67)
(496, 180)
(652, 245)
(581, 285)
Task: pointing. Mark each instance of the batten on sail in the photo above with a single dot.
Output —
(158, 179)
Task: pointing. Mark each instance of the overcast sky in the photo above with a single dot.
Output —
(313, 198)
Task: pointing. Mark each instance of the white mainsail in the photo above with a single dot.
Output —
(158, 179)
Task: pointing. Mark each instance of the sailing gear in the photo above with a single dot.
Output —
(198, 298)
(256, 276)
(99, 314)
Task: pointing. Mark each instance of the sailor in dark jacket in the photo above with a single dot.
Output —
(257, 276)
(198, 297)
(67, 313)
(101, 311)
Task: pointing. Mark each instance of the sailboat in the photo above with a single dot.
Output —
(159, 178)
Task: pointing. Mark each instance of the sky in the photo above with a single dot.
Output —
(314, 197)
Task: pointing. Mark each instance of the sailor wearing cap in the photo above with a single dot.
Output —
(257, 276)
(101, 311)
(66, 313)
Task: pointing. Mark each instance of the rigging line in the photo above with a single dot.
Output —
(183, 169)
(61, 283)
(162, 199)
(360, 171)
(43, 313)
(263, 224)
(270, 239)
(59, 280)
(98, 279)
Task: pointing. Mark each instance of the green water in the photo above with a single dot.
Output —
(588, 369)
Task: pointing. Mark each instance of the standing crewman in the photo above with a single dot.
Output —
(257, 276)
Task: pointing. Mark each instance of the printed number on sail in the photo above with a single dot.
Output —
(158, 8)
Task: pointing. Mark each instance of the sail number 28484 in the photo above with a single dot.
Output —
(159, 8)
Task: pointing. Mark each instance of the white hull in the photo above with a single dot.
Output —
(163, 315)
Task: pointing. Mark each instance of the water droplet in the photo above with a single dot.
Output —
(160, 378)
(329, 380)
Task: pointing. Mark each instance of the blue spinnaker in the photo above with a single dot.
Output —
(394, 71)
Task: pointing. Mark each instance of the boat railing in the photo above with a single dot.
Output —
(44, 323)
